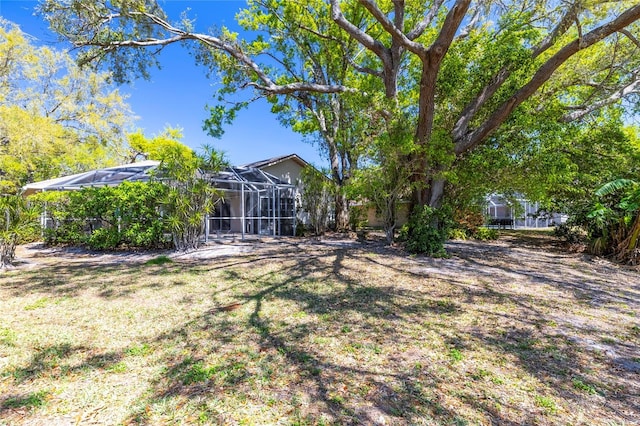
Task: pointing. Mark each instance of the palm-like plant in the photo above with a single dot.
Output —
(190, 194)
(618, 221)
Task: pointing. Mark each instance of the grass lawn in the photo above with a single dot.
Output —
(296, 332)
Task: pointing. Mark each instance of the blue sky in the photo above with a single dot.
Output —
(176, 94)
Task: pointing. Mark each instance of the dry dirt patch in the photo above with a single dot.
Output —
(331, 332)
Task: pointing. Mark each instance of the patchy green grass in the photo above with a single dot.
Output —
(31, 400)
(318, 334)
(160, 260)
(455, 355)
(547, 403)
(142, 349)
(7, 337)
(40, 303)
(585, 387)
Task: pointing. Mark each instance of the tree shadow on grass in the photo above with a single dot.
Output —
(316, 329)
(569, 372)
(47, 366)
(594, 283)
(68, 280)
(268, 349)
(23, 401)
(114, 279)
(401, 394)
(60, 360)
(574, 356)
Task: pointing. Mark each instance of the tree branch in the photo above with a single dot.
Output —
(389, 27)
(449, 28)
(471, 109)
(583, 110)
(464, 33)
(419, 29)
(561, 28)
(364, 70)
(363, 38)
(217, 43)
(286, 89)
(630, 37)
(542, 75)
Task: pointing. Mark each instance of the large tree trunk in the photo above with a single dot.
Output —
(340, 172)
(341, 211)
(429, 192)
(436, 192)
(390, 220)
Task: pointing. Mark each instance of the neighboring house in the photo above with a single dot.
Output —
(501, 212)
(375, 221)
(258, 198)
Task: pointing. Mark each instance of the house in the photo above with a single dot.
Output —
(252, 201)
(287, 168)
(260, 198)
(267, 191)
(519, 213)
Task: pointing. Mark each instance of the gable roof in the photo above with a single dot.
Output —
(275, 160)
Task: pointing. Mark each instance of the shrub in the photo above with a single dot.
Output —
(65, 232)
(317, 199)
(426, 231)
(127, 216)
(357, 217)
(103, 239)
(457, 234)
(300, 230)
(570, 233)
(483, 234)
(610, 223)
(151, 235)
(17, 220)
(468, 218)
(615, 221)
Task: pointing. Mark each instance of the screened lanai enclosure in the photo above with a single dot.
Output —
(518, 212)
(109, 176)
(249, 201)
(252, 202)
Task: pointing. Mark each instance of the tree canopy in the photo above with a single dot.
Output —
(55, 118)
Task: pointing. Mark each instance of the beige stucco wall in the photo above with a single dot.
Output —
(288, 170)
(375, 221)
